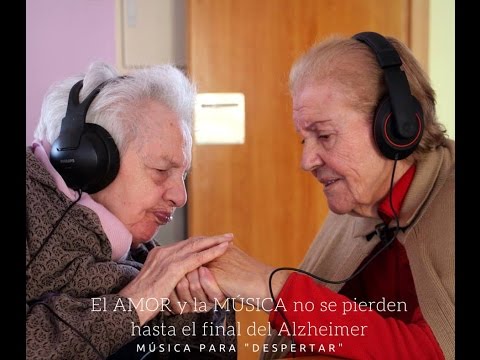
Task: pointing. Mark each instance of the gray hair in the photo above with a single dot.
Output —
(120, 104)
(352, 65)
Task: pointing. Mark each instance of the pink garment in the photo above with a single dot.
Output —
(118, 235)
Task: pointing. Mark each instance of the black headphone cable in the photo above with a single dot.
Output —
(53, 229)
(47, 238)
(359, 270)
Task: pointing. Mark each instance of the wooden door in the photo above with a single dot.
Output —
(257, 190)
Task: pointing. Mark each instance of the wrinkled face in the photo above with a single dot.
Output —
(339, 150)
(150, 183)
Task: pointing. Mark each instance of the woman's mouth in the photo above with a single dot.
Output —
(163, 217)
(329, 181)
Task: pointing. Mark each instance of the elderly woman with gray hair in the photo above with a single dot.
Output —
(380, 273)
(105, 172)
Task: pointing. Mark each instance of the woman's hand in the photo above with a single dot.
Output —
(165, 266)
(240, 276)
(190, 296)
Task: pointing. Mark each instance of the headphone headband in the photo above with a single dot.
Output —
(396, 81)
(398, 119)
(73, 123)
(84, 154)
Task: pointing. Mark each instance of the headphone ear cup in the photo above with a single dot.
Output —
(390, 144)
(104, 162)
(93, 165)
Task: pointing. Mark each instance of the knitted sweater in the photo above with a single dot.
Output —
(428, 213)
(72, 265)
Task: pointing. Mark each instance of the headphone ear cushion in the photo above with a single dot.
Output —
(105, 157)
(390, 144)
(93, 165)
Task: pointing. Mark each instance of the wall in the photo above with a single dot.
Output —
(441, 58)
(150, 32)
(62, 38)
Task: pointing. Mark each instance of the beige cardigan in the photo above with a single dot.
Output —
(429, 210)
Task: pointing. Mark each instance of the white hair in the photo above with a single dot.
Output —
(120, 104)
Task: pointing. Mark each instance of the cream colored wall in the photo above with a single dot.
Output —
(150, 32)
(441, 60)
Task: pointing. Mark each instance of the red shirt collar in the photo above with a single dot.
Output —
(399, 191)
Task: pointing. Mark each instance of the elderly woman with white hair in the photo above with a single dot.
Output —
(106, 170)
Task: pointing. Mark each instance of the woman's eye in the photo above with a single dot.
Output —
(161, 172)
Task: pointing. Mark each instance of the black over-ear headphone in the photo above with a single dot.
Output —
(398, 122)
(84, 154)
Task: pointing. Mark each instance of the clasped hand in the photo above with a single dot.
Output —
(234, 274)
(165, 269)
